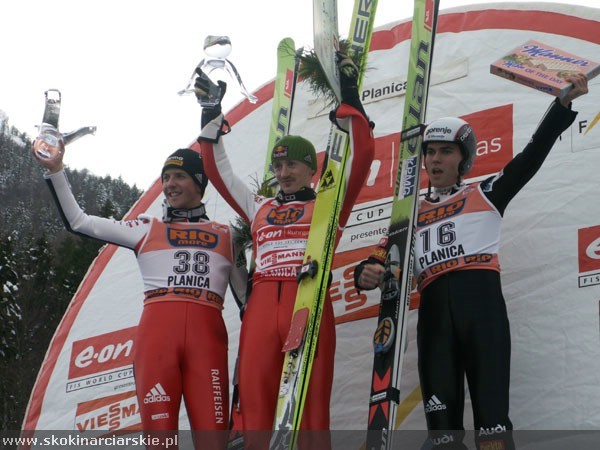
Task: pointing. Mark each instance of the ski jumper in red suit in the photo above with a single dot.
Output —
(181, 341)
(279, 236)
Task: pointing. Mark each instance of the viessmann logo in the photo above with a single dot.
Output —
(115, 412)
(101, 359)
(589, 256)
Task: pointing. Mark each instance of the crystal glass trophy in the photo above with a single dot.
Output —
(50, 140)
(216, 51)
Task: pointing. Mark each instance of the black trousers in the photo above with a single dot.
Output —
(463, 330)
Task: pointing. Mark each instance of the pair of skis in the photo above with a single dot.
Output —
(301, 344)
(390, 336)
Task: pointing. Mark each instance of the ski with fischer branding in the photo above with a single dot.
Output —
(301, 343)
(281, 118)
(390, 335)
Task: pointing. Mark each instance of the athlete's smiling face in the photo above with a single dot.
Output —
(292, 175)
(441, 161)
(180, 189)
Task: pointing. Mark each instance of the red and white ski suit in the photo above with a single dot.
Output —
(181, 342)
(279, 236)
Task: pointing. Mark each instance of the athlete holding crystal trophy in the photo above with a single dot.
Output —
(186, 263)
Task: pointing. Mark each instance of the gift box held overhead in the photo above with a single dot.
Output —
(543, 67)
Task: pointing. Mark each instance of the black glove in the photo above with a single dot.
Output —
(349, 84)
(348, 76)
(209, 96)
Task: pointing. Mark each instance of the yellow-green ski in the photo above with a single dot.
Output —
(313, 285)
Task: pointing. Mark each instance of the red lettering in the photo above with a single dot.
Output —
(354, 299)
(334, 291)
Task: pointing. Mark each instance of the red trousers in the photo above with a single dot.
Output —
(181, 351)
(264, 329)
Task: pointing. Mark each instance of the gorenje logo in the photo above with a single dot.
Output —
(438, 130)
(434, 404)
(157, 394)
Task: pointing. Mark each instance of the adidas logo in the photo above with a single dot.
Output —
(434, 404)
(157, 394)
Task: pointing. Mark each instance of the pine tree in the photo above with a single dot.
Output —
(10, 313)
(10, 319)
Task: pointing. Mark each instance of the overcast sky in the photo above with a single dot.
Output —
(120, 63)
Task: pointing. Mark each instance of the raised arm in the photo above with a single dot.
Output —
(351, 117)
(216, 164)
(125, 234)
(516, 174)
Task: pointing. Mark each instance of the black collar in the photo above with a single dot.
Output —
(192, 215)
(438, 193)
(303, 195)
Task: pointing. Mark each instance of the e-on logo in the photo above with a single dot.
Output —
(589, 256)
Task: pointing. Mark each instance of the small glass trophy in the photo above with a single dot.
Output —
(216, 50)
(50, 141)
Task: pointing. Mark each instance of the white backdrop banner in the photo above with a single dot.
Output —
(550, 252)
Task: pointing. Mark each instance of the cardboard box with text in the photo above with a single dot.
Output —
(543, 67)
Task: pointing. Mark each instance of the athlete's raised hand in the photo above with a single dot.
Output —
(580, 87)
